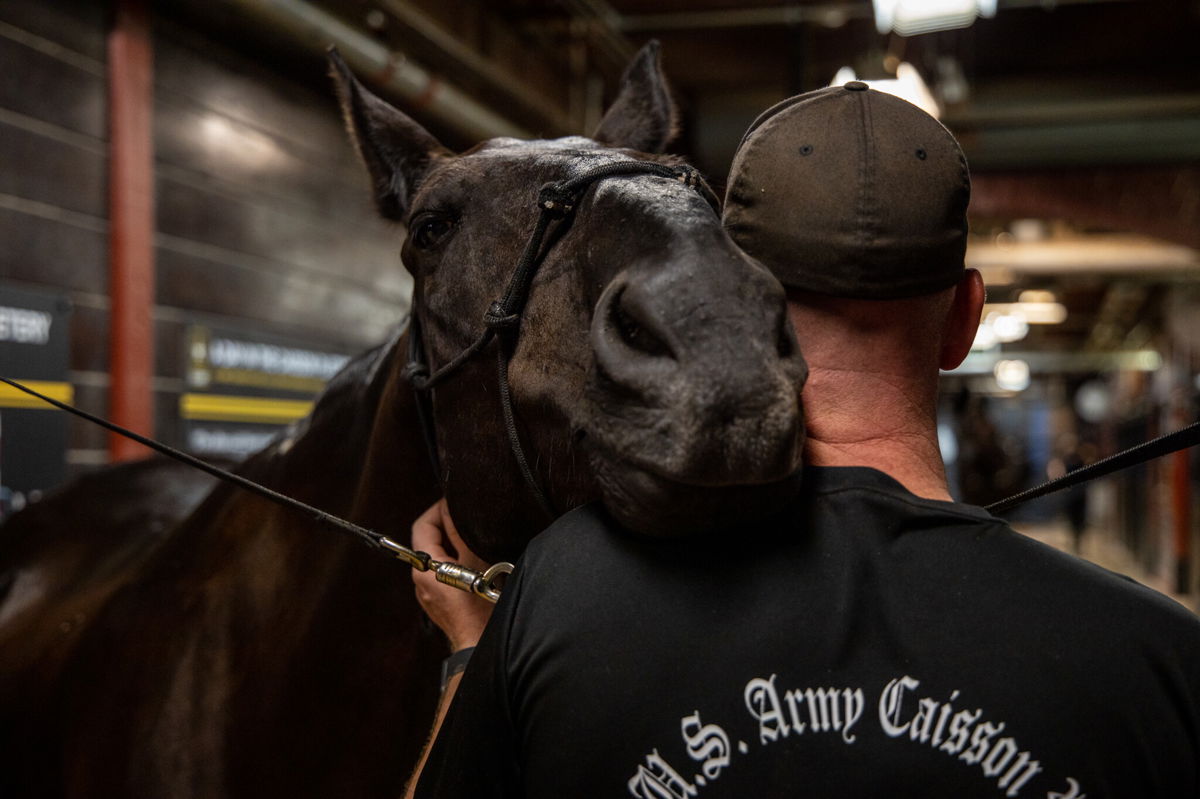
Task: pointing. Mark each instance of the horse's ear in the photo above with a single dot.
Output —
(396, 150)
(643, 117)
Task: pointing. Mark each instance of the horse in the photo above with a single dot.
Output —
(64, 556)
(254, 652)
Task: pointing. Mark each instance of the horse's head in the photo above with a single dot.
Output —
(653, 365)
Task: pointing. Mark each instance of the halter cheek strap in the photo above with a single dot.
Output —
(556, 205)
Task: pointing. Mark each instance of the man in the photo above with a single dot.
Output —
(878, 639)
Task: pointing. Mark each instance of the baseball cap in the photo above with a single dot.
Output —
(851, 192)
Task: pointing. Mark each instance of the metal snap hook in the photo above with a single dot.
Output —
(486, 586)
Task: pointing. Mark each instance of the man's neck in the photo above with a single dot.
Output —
(868, 419)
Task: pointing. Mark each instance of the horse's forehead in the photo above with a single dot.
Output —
(501, 165)
(571, 153)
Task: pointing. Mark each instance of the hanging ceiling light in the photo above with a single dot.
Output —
(1012, 375)
(912, 17)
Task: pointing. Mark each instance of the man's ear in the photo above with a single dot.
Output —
(963, 320)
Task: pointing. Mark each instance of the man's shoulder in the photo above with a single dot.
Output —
(581, 544)
(586, 526)
(980, 555)
(1094, 584)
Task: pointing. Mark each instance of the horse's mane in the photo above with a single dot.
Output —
(348, 392)
(358, 376)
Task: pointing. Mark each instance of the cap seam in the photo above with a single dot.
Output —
(747, 149)
(866, 213)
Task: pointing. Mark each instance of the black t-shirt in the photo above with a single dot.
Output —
(869, 644)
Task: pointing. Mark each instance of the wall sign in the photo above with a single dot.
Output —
(34, 340)
(244, 386)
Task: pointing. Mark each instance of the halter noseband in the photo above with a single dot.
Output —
(556, 202)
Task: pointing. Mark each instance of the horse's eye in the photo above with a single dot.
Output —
(429, 230)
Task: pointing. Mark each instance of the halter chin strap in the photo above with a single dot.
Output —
(556, 203)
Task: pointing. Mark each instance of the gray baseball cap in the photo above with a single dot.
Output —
(851, 192)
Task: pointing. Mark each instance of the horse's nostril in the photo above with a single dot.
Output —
(633, 333)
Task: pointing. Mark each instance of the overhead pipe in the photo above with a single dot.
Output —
(482, 68)
(828, 14)
(388, 71)
(601, 23)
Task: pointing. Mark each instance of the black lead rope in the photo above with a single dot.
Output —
(1134, 456)
(483, 584)
(556, 201)
(362, 533)
(1163, 445)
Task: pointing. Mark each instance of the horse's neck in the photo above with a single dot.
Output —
(297, 612)
(361, 454)
(395, 478)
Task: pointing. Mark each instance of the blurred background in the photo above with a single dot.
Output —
(187, 244)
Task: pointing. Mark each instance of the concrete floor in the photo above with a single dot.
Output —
(1107, 552)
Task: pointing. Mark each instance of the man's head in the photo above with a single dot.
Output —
(856, 201)
(851, 192)
(854, 194)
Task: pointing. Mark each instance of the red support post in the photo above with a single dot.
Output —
(131, 226)
(1181, 516)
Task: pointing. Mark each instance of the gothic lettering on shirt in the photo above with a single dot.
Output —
(763, 703)
(1072, 792)
(964, 734)
(812, 709)
(657, 780)
(706, 743)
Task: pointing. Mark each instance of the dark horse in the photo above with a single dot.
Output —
(251, 653)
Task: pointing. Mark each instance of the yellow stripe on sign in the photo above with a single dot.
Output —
(15, 398)
(224, 408)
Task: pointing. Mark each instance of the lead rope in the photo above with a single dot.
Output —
(1155, 448)
(555, 201)
(482, 584)
(486, 584)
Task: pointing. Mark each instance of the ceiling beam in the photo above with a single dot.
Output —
(984, 363)
(1108, 255)
(1122, 142)
(480, 67)
(1163, 201)
(1034, 109)
(831, 15)
(389, 71)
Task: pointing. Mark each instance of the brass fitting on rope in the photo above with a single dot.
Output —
(485, 585)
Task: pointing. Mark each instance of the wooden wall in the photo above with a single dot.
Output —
(264, 223)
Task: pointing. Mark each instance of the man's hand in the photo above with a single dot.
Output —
(461, 616)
